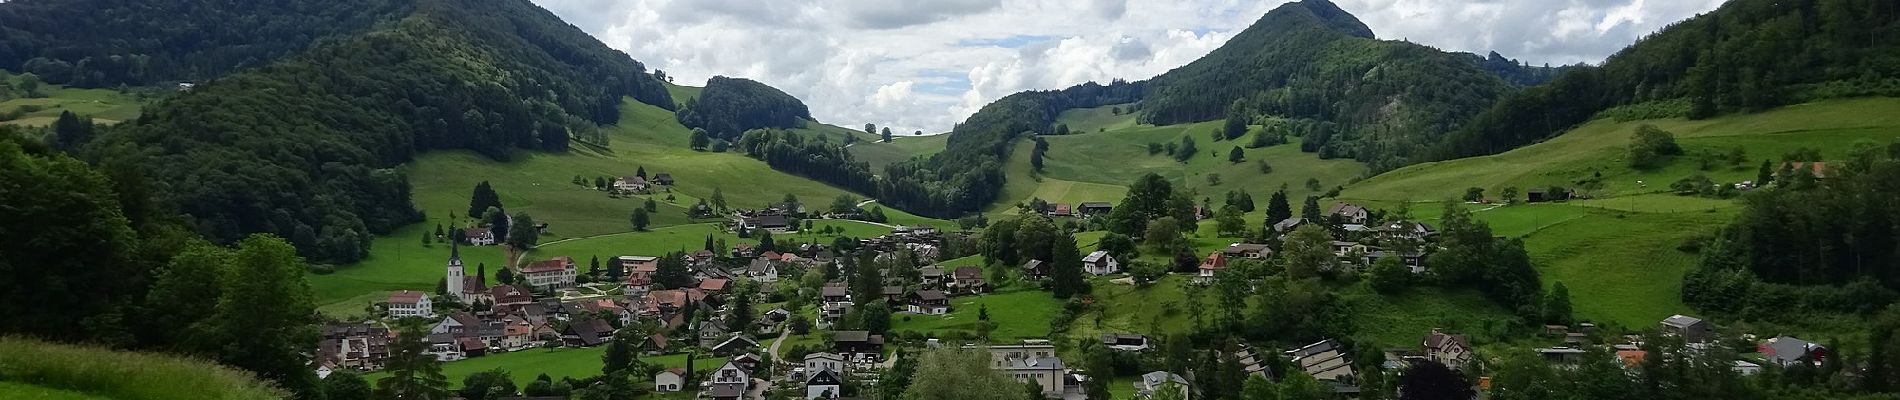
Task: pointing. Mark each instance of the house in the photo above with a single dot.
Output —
(472, 347)
(1324, 360)
(587, 333)
(822, 361)
(510, 296)
(713, 285)
(762, 270)
(670, 380)
(1034, 361)
(410, 303)
(969, 280)
(1154, 382)
(859, 343)
(1035, 269)
(730, 376)
(1451, 350)
(517, 333)
(775, 223)
(1100, 263)
(824, 384)
(1413, 261)
(1125, 341)
(1094, 208)
(638, 264)
(662, 179)
(1248, 250)
(1349, 213)
(1560, 355)
(1210, 266)
(1691, 329)
(735, 345)
(479, 236)
(726, 391)
(637, 287)
(929, 302)
(456, 324)
(932, 276)
(1745, 368)
(444, 347)
(893, 294)
(1288, 225)
(1344, 248)
(1407, 230)
(557, 272)
(1788, 351)
(630, 184)
(1818, 169)
(1060, 210)
(354, 345)
(1251, 361)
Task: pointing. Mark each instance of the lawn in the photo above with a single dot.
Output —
(397, 261)
(686, 238)
(22, 391)
(1018, 314)
(1621, 269)
(1120, 155)
(557, 363)
(1598, 147)
(103, 105)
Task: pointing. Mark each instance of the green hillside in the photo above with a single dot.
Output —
(39, 370)
(901, 148)
(103, 105)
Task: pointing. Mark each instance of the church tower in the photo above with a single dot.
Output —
(455, 278)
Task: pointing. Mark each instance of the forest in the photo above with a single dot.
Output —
(306, 148)
(108, 43)
(817, 159)
(1747, 56)
(730, 106)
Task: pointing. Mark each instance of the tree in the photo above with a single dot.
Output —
(1119, 246)
(497, 222)
(263, 320)
(1066, 267)
(1163, 233)
(1278, 209)
(700, 139)
(671, 273)
(1429, 380)
(30, 84)
(886, 133)
(1389, 275)
(1766, 175)
(640, 219)
(719, 199)
(505, 276)
(483, 199)
(1310, 210)
(1510, 195)
(1308, 252)
(346, 385)
(413, 373)
(525, 234)
(177, 296)
(1213, 179)
(1259, 388)
(70, 131)
(950, 374)
(1651, 146)
(1557, 305)
(1236, 155)
(622, 354)
(1229, 221)
(485, 385)
(651, 206)
(870, 129)
(1187, 151)
(1474, 194)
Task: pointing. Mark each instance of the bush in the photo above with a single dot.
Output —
(322, 269)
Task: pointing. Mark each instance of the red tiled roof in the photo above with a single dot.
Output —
(1215, 260)
(712, 284)
(405, 297)
(550, 265)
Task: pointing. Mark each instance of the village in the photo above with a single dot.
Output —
(706, 305)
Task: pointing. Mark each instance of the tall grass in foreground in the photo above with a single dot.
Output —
(125, 375)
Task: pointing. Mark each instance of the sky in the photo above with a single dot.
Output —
(927, 64)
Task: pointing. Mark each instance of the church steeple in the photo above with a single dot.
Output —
(454, 278)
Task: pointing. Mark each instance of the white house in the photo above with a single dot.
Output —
(671, 380)
(823, 385)
(732, 373)
(630, 184)
(1100, 263)
(1154, 382)
(824, 361)
(409, 303)
(479, 236)
(553, 273)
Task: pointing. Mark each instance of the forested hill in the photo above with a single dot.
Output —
(728, 107)
(305, 147)
(1748, 55)
(106, 43)
(1374, 101)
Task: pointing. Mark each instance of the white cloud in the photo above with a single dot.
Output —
(925, 65)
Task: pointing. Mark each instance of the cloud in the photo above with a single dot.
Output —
(927, 64)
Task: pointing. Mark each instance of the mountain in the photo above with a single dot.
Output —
(728, 107)
(1377, 101)
(106, 43)
(1748, 55)
(307, 147)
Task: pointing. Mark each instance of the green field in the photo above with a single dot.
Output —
(1599, 146)
(22, 391)
(103, 105)
(1119, 155)
(1018, 314)
(687, 238)
(396, 261)
(557, 363)
(901, 147)
(1098, 119)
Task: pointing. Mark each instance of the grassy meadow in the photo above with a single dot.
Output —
(105, 106)
(523, 366)
(57, 371)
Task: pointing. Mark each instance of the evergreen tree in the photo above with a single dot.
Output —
(1278, 209)
(671, 273)
(719, 199)
(1237, 155)
(1766, 175)
(483, 199)
(1066, 267)
(1557, 305)
(413, 373)
(622, 355)
(640, 219)
(1310, 210)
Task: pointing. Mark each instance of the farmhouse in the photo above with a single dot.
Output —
(1154, 382)
(1210, 266)
(932, 276)
(1288, 225)
(1789, 351)
(1035, 269)
(478, 236)
(931, 302)
(858, 343)
(1248, 250)
(1094, 208)
(409, 303)
(1100, 263)
(969, 280)
(1060, 210)
(730, 381)
(1451, 350)
(824, 384)
(670, 380)
(663, 179)
(1125, 341)
(1349, 213)
(762, 270)
(630, 184)
(770, 222)
(587, 333)
(821, 361)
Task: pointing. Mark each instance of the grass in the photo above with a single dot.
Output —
(1118, 156)
(1018, 314)
(1620, 268)
(1087, 120)
(1158, 309)
(901, 147)
(523, 366)
(1399, 320)
(101, 373)
(21, 391)
(686, 238)
(105, 106)
(1598, 147)
(397, 261)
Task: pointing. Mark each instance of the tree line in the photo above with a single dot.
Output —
(728, 107)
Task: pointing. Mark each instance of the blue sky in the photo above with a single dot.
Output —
(927, 64)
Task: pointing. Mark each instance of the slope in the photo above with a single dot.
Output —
(901, 148)
(1118, 156)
